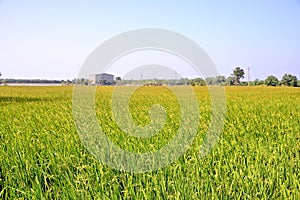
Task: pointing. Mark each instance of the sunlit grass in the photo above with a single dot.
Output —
(257, 156)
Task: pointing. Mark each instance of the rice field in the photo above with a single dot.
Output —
(256, 156)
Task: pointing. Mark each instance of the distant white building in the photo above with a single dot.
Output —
(102, 79)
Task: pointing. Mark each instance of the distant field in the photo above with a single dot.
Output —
(256, 157)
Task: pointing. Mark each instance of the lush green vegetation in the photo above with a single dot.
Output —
(257, 156)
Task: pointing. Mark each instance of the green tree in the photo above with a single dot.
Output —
(183, 81)
(220, 80)
(238, 73)
(230, 80)
(258, 82)
(197, 81)
(271, 81)
(289, 80)
(118, 80)
(210, 80)
(104, 82)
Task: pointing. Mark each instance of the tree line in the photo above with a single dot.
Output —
(235, 79)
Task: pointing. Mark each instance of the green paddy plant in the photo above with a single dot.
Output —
(256, 157)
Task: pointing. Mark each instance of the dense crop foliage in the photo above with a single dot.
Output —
(257, 155)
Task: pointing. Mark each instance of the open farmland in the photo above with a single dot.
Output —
(257, 155)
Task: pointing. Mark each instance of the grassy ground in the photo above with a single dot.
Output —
(257, 156)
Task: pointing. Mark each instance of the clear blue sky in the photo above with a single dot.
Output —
(52, 39)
